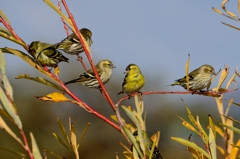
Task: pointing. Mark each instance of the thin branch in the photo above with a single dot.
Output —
(209, 93)
(27, 148)
(8, 26)
(60, 82)
(104, 91)
(64, 23)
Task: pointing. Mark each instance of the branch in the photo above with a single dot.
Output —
(104, 91)
(210, 93)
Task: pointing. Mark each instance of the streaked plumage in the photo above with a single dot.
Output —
(133, 81)
(72, 45)
(148, 145)
(104, 69)
(199, 79)
(46, 54)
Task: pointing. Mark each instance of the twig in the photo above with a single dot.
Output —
(27, 148)
(64, 24)
(8, 26)
(104, 91)
(66, 89)
(179, 92)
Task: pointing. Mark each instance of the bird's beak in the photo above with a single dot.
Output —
(214, 73)
(113, 66)
(125, 72)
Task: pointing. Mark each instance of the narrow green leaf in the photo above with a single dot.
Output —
(83, 133)
(133, 140)
(6, 83)
(4, 126)
(35, 150)
(192, 145)
(41, 80)
(236, 121)
(28, 59)
(59, 157)
(231, 128)
(212, 125)
(212, 144)
(60, 141)
(8, 35)
(10, 109)
(23, 156)
(63, 131)
(203, 135)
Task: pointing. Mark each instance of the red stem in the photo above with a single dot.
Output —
(12, 31)
(104, 91)
(64, 24)
(27, 148)
(84, 104)
(60, 82)
(165, 92)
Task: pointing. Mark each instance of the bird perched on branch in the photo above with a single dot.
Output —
(46, 54)
(199, 78)
(133, 81)
(148, 143)
(88, 78)
(72, 44)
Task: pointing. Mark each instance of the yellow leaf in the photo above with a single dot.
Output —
(221, 150)
(187, 66)
(54, 97)
(232, 14)
(56, 70)
(216, 10)
(235, 151)
(223, 4)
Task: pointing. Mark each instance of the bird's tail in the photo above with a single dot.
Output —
(120, 92)
(72, 81)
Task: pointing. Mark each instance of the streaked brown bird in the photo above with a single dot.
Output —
(72, 45)
(199, 78)
(88, 78)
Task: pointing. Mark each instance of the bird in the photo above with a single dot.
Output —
(148, 143)
(198, 79)
(46, 54)
(88, 78)
(71, 44)
(133, 81)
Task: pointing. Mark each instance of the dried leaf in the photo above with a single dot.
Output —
(223, 4)
(73, 139)
(216, 10)
(54, 97)
(235, 150)
(231, 26)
